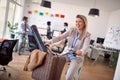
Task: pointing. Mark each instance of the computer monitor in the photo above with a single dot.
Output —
(42, 31)
(56, 33)
(100, 40)
(92, 42)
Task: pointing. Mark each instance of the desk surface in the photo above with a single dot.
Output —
(101, 49)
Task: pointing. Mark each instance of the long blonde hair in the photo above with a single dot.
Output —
(84, 31)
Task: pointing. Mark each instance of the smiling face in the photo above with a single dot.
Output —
(80, 24)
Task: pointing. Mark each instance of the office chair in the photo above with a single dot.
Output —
(32, 43)
(6, 50)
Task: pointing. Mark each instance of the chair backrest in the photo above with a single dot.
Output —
(6, 50)
(32, 43)
(38, 39)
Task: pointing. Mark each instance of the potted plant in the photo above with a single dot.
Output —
(12, 28)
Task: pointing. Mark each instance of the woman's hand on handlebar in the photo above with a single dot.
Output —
(78, 52)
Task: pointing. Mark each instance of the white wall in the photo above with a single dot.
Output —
(114, 18)
(96, 26)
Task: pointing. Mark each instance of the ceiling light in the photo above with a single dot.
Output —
(46, 3)
(94, 11)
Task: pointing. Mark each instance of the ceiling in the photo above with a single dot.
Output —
(106, 5)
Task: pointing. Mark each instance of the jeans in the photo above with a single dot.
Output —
(22, 42)
(73, 72)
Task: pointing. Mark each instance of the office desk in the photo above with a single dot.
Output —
(99, 51)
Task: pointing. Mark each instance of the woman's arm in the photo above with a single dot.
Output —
(61, 37)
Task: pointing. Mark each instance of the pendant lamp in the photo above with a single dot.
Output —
(94, 11)
(46, 3)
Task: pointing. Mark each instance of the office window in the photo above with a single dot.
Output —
(14, 14)
(10, 17)
(2, 14)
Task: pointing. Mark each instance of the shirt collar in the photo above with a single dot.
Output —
(78, 32)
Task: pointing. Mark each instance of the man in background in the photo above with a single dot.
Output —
(49, 30)
(66, 28)
(22, 33)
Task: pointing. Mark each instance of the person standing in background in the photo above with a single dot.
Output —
(66, 28)
(49, 30)
(22, 33)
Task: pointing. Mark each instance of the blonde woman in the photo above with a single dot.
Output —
(78, 39)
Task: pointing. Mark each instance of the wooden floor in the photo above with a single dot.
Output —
(99, 71)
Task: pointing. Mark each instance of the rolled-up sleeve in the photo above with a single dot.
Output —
(85, 44)
(61, 37)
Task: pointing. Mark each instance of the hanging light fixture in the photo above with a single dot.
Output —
(94, 11)
(46, 3)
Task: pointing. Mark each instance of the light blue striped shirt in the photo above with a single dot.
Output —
(71, 56)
